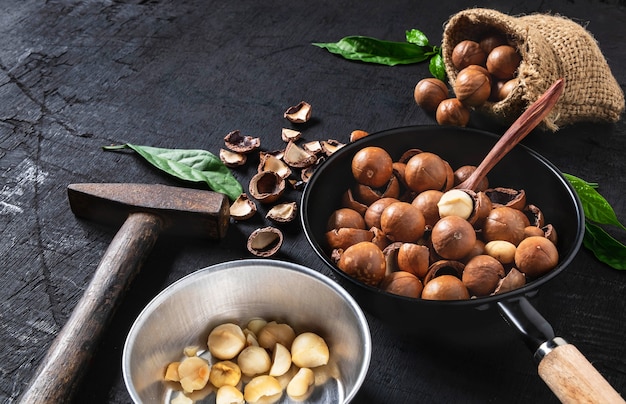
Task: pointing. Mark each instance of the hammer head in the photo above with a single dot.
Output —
(186, 212)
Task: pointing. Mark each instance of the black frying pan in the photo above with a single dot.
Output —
(521, 168)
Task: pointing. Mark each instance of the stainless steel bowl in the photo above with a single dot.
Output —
(185, 312)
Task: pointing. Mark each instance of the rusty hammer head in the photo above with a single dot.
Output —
(185, 212)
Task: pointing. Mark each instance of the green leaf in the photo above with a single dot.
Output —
(604, 247)
(596, 208)
(190, 165)
(437, 67)
(372, 50)
(417, 37)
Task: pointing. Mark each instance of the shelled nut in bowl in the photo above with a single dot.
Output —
(521, 169)
(184, 314)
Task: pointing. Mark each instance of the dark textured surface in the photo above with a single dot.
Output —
(77, 75)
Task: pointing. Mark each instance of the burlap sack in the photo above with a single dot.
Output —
(551, 47)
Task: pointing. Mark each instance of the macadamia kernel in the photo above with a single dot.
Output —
(171, 372)
(225, 373)
(301, 382)
(226, 341)
(265, 377)
(181, 398)
(254, 360)
(309, 350)
(228, 395)
(274, 332)
(456, 203)
(281, 360)
(503, 251)
(260, 387)
(194, 373)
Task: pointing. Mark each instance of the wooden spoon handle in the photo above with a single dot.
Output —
(68, 357)
(573, 379)
(522, 126)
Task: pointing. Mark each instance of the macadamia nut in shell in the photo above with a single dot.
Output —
(364, 261)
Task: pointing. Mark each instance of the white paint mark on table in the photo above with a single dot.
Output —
(28, 174)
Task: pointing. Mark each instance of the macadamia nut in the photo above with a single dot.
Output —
(225, 373)
(455, 203)
(273, 333)
(309, 350)
(229, 395)
(260, 387)
(194, 373)
(226, 341)
(254, 360)
(301, 383)
(281, 360)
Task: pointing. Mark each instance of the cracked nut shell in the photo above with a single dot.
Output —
(266, 186)
(239, 143)
(299, 113)
(265, 242)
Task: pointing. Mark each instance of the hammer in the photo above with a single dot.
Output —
(143, 211)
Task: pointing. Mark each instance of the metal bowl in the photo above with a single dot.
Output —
(522, 168)
(184, 313)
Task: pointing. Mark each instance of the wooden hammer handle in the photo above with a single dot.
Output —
(66, 361)
(573, 379)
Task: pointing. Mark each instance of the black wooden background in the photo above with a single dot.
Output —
(77, 75)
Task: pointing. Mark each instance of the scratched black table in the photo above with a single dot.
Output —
(75, 76)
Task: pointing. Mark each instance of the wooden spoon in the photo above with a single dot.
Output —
(522, 126)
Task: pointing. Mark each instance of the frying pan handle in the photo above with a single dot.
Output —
(61, 369)
(570, 376)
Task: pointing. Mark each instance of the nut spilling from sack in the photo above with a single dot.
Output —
(523, 56)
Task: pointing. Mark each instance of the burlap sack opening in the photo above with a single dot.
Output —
(551, 47)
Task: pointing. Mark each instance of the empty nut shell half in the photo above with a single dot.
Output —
(290, 135)
(267, 186)
(369, 195)
(535, 215)
(239, 143)
(297, 157)
(330, 146)
(298, 113)
(232, 159)
(242, 208)
(314, 146)
(513, 280)
(444, 267)
(513, 198)
(283, 212)
(348, 201)
(265, 242)
(306, 173)
(269, 162)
